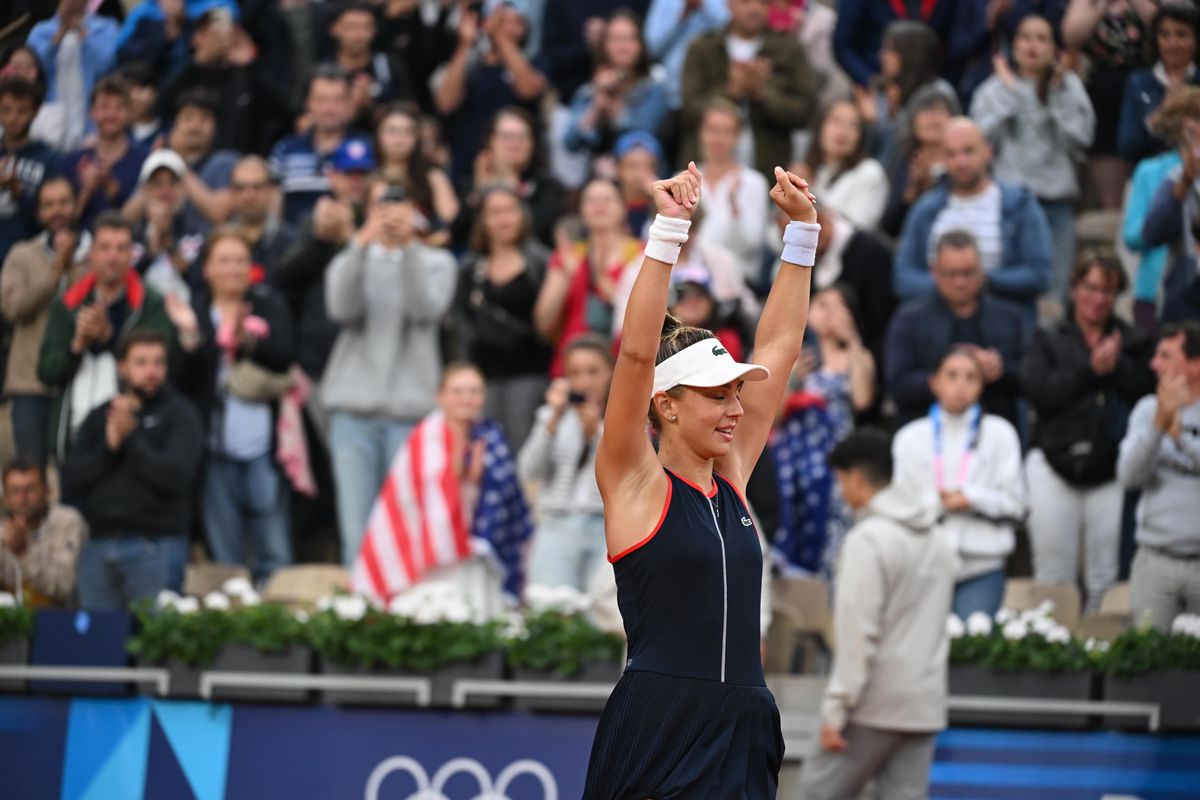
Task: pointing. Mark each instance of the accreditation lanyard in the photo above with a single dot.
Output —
(939, 470)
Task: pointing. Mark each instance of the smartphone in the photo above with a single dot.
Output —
(576, 398)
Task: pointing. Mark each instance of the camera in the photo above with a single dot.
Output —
(576, 398)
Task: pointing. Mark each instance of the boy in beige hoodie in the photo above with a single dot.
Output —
(886, 697)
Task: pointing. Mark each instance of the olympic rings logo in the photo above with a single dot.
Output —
(432, 790)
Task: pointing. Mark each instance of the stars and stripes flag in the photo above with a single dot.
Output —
(418, 521)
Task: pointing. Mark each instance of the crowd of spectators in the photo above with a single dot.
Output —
(242, 241)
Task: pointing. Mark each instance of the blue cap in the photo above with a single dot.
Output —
(634, 140)
(353, 155)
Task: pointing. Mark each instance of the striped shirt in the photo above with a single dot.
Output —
(564, 462)
(979, 215)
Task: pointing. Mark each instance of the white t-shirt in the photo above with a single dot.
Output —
(980, 216)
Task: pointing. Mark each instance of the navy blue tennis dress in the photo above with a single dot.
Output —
(692, 716)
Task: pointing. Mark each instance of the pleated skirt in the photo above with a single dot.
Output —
(664, 737)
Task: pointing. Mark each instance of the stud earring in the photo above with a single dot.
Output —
(674, 419)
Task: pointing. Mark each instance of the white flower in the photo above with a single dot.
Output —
(350, 607)
(1186, 625)
(457, 613)
(1059, 635)
(187, 605)
(250, 598)
(216, 601)
(1015, 630)
(7, 600)
(1046, 607)
(979, 624)
(427, 615)
(325, 603)
(402, 605)
(514, 626)
(1004, 615)
(954, 627)
(237, 587)
(166, 599)
(1044, 626)
(301, 617)
(563, 599)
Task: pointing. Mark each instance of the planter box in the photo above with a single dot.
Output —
(977, 680)
(185, 680)
(13, 653)
(294, 660)
(489, 667)
(599, 672)
(1174, 690)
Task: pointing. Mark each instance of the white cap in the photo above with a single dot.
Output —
(162, 159)
(705, 363)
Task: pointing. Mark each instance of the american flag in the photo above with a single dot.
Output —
(418, 521)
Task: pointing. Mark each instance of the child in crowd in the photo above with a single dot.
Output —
(967, 465)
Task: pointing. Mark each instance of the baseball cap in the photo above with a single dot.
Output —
(353, 155)
(705, 364)
(693, 274)
(638, 139)
(162, 159)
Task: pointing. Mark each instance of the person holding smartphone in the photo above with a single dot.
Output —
(568, 545)
(388, 291)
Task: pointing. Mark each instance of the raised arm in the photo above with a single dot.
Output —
(625, 460)
(780, 333)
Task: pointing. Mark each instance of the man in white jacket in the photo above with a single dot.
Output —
(886, 698)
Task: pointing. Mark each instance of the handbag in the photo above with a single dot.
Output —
(255, 384)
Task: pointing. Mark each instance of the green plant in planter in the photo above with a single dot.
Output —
(16, 622)
(562, 642)
(179, 628)
(1144, 650)
(351, 634)
(1026, 642)
(193, 637)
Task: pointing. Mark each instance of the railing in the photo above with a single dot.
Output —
(798, 729)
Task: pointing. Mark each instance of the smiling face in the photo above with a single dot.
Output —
(706, 418)
(461, 396)
(622, 44)
(111, 113)
(1176, 43)
(601, 208)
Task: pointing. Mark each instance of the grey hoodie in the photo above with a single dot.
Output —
(895, 579)
(390, 303)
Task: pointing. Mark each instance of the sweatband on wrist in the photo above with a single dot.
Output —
(800, 243)
(666, 237)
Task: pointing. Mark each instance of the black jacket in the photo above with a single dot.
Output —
(1081, 416)
(921, 333)
(197, 373)
(301, 278)
(146, 487)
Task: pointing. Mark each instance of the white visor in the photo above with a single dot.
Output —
(705, 363)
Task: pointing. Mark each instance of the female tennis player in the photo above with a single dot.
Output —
(692, 716)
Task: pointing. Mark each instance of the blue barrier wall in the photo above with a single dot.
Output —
(125, 749)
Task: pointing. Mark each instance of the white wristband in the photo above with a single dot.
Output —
(666, 237)
(800, 243)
